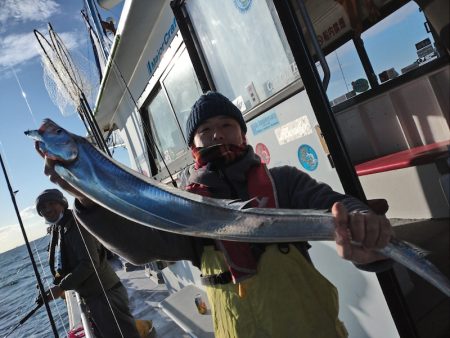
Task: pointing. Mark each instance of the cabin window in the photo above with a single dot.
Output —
(247, 65)
(166, 130)
(167, 110)
(347, 75)
(399, 43)
(182, 88)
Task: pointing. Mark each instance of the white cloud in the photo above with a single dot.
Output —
(6, 228)
(29, 213)
(16, 49)
(11, 235)
(15, 11)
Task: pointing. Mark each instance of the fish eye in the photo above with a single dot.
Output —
(58, 131)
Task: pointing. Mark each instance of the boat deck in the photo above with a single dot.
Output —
(145, 296)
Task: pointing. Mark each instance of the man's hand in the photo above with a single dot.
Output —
(54, 293)
(39, 301)
(369, 230)
(49, 170)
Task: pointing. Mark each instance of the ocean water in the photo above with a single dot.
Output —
(18, 291)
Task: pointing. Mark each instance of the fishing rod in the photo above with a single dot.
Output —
(70, 81)
(114, 67)
(24, 319)
(68, 65)
(30, 253)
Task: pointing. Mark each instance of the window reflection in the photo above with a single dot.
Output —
(166, 131)
(247, 65)
(182, 88)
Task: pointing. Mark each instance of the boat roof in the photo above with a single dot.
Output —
(138, 21)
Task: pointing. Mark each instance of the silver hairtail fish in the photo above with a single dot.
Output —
(151, 203)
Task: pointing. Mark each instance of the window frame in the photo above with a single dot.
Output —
(377, 88)
(174, 167)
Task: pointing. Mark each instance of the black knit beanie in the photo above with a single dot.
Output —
(50, 195)
(210, 105)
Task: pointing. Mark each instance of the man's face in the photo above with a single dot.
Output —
(219, 130)
(51, 210)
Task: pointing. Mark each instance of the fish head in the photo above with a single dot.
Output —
(55, 142)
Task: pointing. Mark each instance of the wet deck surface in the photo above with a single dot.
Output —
(145, 296)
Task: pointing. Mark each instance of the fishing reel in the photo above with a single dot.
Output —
(39, 300)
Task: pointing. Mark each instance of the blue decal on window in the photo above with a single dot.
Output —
(308, 157)
(264, 122)
(167, 39)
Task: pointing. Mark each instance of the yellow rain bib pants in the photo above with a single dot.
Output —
(287, 297)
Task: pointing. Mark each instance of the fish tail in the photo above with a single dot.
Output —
(414, 259)
(418, 250)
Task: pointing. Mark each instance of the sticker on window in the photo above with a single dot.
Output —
(267, 121)
(262, 151)
(308, 157)
(293, 130)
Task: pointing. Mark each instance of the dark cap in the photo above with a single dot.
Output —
(209, 105)
(50, 195)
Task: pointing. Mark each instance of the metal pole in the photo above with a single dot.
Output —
(365, 61)
(95, 125)
(30, 253)
(88, 332)
(82, 110)
(90, 5)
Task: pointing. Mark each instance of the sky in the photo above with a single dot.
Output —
(21, 73)
(25, 101)
(390, 44)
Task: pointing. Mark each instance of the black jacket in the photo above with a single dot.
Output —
(81, 275)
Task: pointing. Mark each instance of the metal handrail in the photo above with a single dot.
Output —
(315, 43)
(88, 332)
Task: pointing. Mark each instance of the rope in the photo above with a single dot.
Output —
(48, 285)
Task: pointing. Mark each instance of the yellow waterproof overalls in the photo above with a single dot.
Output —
(287, 297)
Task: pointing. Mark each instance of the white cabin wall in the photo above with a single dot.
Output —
(411, 115)
(282, 130)
(126, 116)
(362, 306)
(155, 47)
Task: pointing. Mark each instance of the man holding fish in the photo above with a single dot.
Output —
(255, 289)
